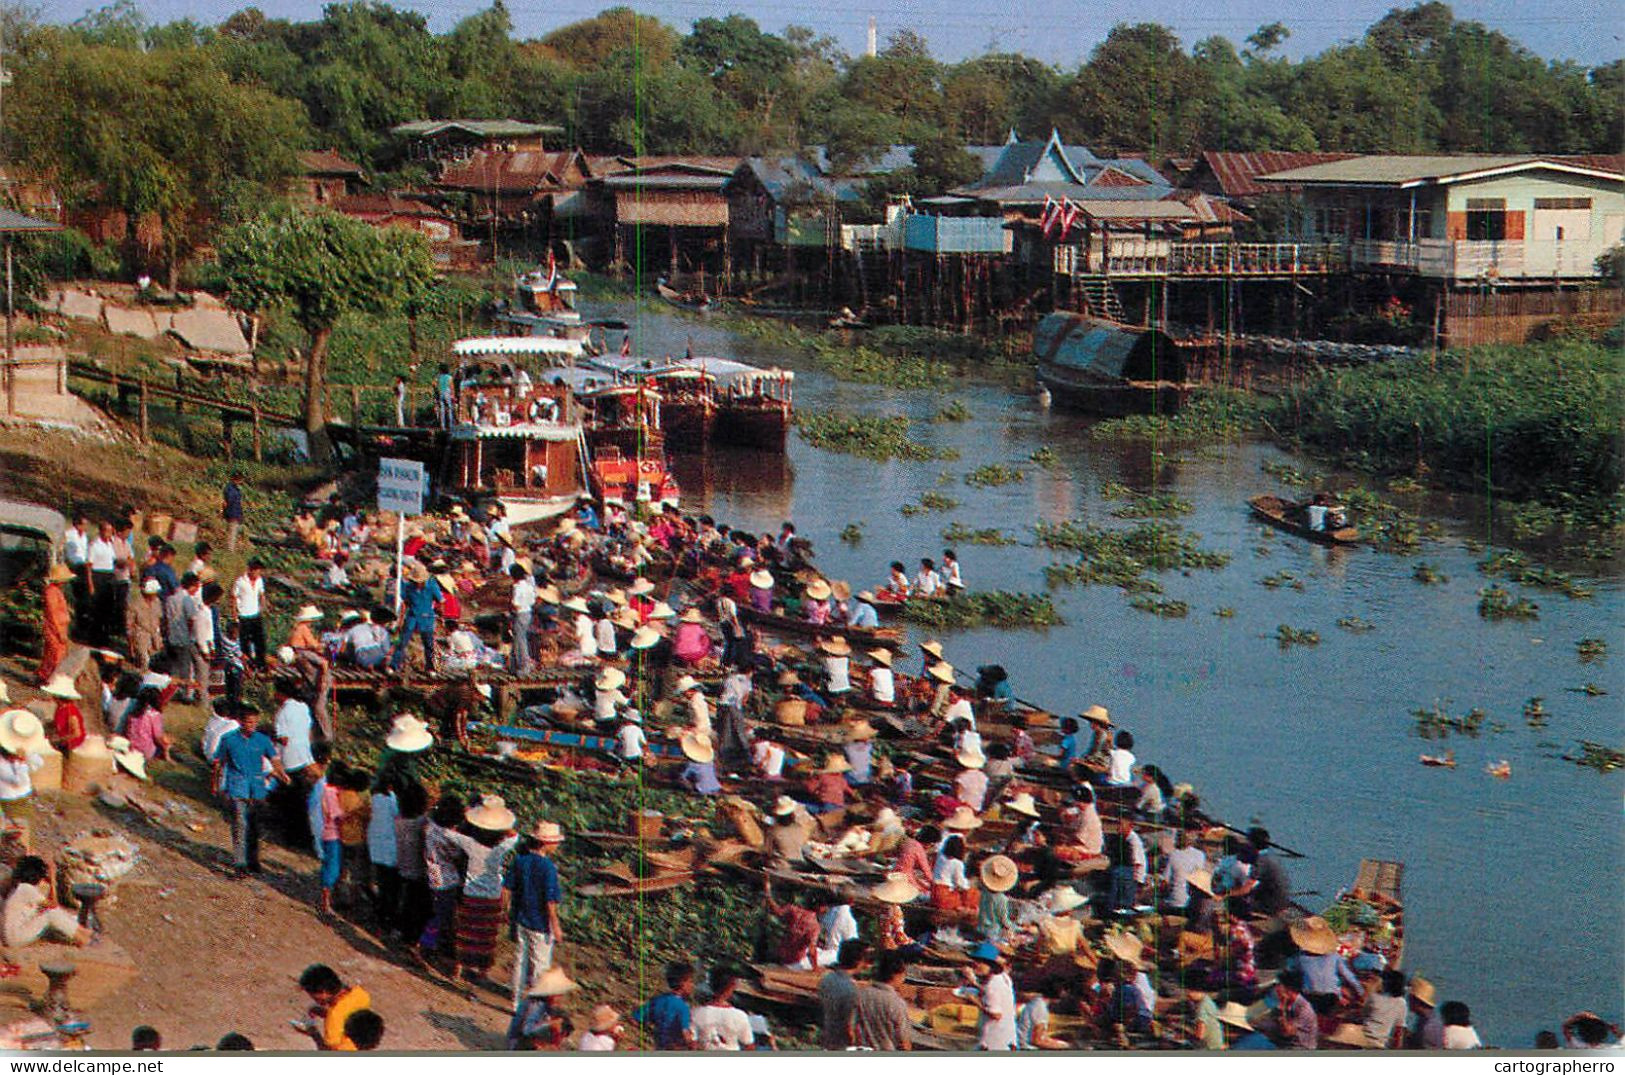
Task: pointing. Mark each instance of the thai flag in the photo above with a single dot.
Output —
(1069, 213)
(552, 281)
(1050, 216)
(626, 345)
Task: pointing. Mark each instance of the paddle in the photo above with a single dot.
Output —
(1287, 851)
(1014, 698)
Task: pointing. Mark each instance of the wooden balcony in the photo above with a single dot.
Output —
(1137, 257)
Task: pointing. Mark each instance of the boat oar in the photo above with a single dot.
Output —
(1287, 851)
(1014, 698)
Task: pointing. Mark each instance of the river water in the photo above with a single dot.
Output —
(1512, 887)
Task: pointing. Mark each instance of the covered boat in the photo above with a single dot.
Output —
(754, 406)
(524, 447)
(688, 396)
(1102, 367)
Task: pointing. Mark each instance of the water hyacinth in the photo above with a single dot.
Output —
(1495, 603)
(930, 501)
(991, 608)
(1435, 723)
(1124, 557)
(878, 437)
(1167, 609)
(960, 534)
(1428, 575)
(1356, 625)
(1281, 578)
(1295, 636)
(1604, 759)
(1591, 649)
(956, 411)
(852, 533)
(994, 474)
(1515, 567)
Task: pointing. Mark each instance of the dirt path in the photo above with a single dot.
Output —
(217, 955)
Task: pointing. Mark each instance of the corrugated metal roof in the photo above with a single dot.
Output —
(327, 162)
(1400, 171)
(1237, 173)
(12, 221)
(516, 171)
(666, 181)
(483, 128)
(1101, 348)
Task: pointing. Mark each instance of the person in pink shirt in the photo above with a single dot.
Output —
(332, 842)
(912, 860)
(145, 729)
(691, 644)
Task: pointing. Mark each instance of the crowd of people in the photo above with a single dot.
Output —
(1085, 897)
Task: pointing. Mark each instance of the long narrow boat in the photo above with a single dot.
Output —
(700, 303)
(1284, 514)
(778, 623)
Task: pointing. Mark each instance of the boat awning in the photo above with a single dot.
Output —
(734, 373)
(557, 431)
(515, 345)
(626, 366)
(1106, 349)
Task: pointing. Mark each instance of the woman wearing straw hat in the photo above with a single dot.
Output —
(829, 787)
(691, 643)
(859, 752)
(837, 665)
(22, 753)
(999, 875)
(488, 843)
(55, 623)
(67, 722)
(761, 590)
(699, 773)
(815, 605)
(1327, 977)
(540, 1023)
(882, 682)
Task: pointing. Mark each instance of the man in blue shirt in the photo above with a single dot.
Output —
(239, 772)
(444, 407)
(232, 510)
(419, 595)
(533, 878)
(667, 1016)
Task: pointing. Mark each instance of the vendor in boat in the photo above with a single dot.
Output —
(837, 658)
(882, 683)
(862, 613)
(699, 773)
(927, 582)
(993, 688)
(761, 590)
(691, 644)
(829, 788)
(1328, 980)
(859, 752)
(815, 605)
(897, 583)
(952, 580)
(786, 837)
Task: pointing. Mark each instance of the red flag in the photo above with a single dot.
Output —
(1070, 212)
(1047, 219)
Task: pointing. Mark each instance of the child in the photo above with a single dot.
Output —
(356, 813)
(231, 659)
(331, 813)
(381, 849)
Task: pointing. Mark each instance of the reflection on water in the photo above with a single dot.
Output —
(1501, 876)
(764, 480)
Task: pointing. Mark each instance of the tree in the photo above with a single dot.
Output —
(1138, 91)
(611, 36)
(942, 163)
(751, 69)
(318, 266)
(987, 97)
(902, 81)
(162, 134)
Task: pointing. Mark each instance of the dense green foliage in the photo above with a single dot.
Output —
(870, 436)
(993, 608)
(317, 266)
(1539, 421)
(1418, 79)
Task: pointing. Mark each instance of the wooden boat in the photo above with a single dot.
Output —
(1102, 367)
(1501, 770)
(622, 882)
(693, 301)
(1446, 760)
(778, 623)
(1285, 515)
(1381, 921)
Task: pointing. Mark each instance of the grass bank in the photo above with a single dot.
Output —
(1539, 422)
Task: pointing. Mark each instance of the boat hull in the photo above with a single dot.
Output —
(688, 426)
(1113, 397)
(528, 509)
(764, 428)
(1275, 511)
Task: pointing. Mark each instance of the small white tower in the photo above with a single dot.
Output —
(871, 49)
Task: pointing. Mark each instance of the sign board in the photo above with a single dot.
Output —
(401, 483)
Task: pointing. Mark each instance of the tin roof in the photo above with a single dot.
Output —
(515, 345)
(327, 162)
(481, 128)
(1409, 171)
(12, 221)
(519, 171)
(1237, 173)
(1071, 341)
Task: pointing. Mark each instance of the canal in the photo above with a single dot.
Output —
(1511, 886)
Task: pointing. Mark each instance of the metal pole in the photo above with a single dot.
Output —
(400, 557)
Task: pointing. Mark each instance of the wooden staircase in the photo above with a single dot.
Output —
(1099, 298)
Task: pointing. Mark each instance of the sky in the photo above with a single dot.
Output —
(1058, 31)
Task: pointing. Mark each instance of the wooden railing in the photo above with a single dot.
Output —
(1139, 256)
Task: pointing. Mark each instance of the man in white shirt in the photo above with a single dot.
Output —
(222, 721)
(248, 599)
(200, 655)
(719, 1026)
(996, 999)
(1183, 861)
(524, 604)
(102, 559)
(76, 554)
(882, 684)
(293, 724)
(767, 755)
(630, 740)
